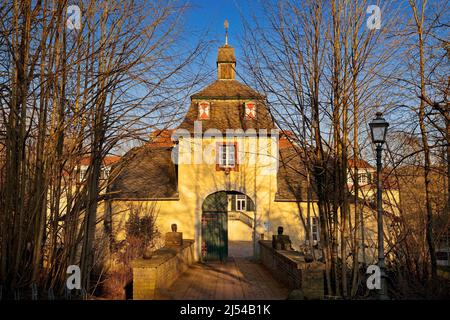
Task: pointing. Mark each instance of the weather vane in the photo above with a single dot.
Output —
(225, 24)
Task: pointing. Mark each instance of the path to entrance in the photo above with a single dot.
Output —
(237, 279)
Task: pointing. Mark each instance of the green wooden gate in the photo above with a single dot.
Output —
(214, 227)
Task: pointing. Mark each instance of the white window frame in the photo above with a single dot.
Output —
(83, 172)
(105, 172)
(241, 202)
(227, 158)
(362, 178)
(315, 225)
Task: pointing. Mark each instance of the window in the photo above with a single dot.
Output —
(105, 173)
(362, 178)
(203, 110)
(83, 172)
(227, 155)
(315, 229)
(350, 177)
(250, 110)
(241, 202)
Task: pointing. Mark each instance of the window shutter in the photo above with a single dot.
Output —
(203, 110)
(250, 204)
(250, 110)
(233, 202)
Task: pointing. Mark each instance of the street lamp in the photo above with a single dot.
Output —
(378, 129)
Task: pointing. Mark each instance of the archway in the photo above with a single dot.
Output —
(214, 227)
(227, 226)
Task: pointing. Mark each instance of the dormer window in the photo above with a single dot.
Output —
(203, 110)
(250, 110)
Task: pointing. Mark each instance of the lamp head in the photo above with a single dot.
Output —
(378, 129)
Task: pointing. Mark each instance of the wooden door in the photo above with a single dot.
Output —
(214, 227)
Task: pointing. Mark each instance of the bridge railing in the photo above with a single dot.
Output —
(161, 270)
(290, 268)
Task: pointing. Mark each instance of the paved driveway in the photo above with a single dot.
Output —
(237, 279)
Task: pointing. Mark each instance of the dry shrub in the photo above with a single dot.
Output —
(141, 234)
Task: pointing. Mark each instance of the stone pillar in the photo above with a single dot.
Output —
(174, 238)
(144, 280)
(313, 280)
(281, 241)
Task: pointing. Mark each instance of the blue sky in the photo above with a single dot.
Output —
(209, 16)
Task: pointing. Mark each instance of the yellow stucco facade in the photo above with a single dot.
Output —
(255, 177)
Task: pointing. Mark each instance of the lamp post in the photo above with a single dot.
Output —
(378, 129)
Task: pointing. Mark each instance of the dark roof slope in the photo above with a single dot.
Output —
(144, 173)
(228, 115)
(227, 99)
(292, 180)
(227, 89)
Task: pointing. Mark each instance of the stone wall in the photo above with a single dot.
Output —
(159, 272)
(290, 268)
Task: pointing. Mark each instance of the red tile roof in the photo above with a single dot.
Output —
(360, 164)
(161, 138)
(108, 160)
(286, 139)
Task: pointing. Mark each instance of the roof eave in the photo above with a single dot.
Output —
(177, 198)
(198, 97)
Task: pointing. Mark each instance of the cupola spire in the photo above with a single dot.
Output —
(226, 62)
(225, 25)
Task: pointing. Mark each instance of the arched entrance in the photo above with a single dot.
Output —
(214, 227)
(220, 211)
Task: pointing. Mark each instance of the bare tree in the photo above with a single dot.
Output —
(320, 68)
(67, 95)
